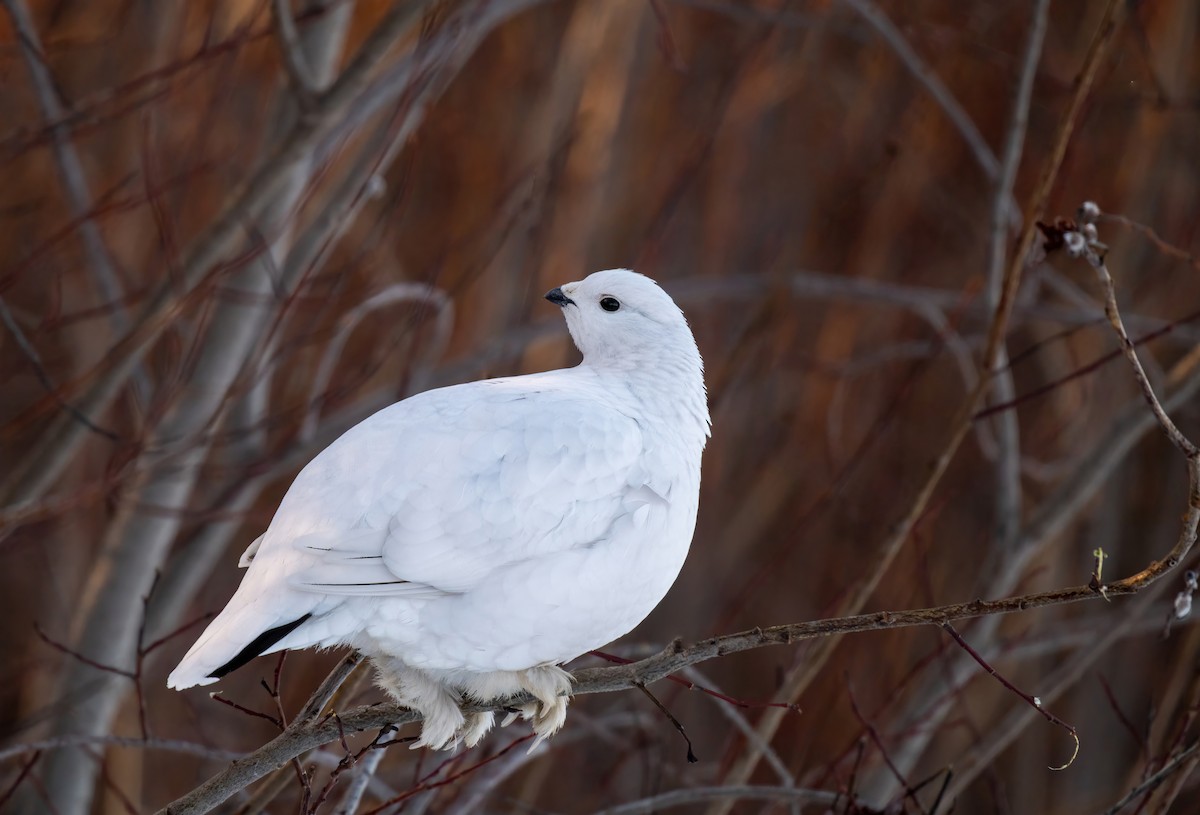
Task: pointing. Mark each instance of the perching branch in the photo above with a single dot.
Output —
(307, 733)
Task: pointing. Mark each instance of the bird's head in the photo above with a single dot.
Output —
(620, 318)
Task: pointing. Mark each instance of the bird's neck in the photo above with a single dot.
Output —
(670, 387)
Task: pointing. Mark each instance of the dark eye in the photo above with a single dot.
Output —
(609, 303)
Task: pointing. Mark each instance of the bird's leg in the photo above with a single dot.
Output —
(444, 725)
(550, 685)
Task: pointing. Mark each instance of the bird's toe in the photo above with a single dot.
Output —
(476, 727)
(548, 720)
(443, 726)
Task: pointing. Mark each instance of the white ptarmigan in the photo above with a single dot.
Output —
(471, 539)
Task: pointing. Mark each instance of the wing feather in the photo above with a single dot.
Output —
(434, 494)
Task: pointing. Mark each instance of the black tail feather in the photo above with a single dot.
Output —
(259, 644)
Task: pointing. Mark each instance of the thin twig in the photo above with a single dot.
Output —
(422, 787)
(695, 795)
(1008, 461)
(878, 19)
(1181, 442)
(690, 685)
(362, 773)
(25, 768)
(294, 60)
(258, 714)
(43, 376)
(165, 745)
(1160, 243)
(99, 666)
(691, 755)
(1034, 701)
(1151, 783)
(877, 740)
(1138, 738)
(731, 712)
(70, 168)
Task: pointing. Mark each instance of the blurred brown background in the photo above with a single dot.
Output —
(209, 267)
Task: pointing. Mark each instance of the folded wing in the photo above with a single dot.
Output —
(469, 486)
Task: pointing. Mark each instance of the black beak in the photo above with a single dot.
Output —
(557, 297)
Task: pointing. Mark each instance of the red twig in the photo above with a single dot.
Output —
(1164, 246)
(1091, 367)
(1138, 738)
(12, 788)
(691, 754)
(1032, 700)
(216, 697)
(58, 646)
(348, 761)
(273, 689)
(873, 734)
(853, 780)
(448, 779)
(165, 638)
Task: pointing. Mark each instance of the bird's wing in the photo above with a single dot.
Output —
(352, 564)
(460, 482)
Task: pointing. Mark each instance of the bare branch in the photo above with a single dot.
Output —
(306, 733)
(294, 60)
(747, 730)
(57, 646)
(1001, 736)
(875, 17)
(25, 768)
(419, 293)
(361, 775)
(1008, 496)
(1008, 464)
(74, 180)
(695, 795)
(57, 443)
(1180, 760)
(325, 691)
(165, 745)
(1164, 246)
(39, 369)
(1033, 701)
(1182, 442)
(961, 421)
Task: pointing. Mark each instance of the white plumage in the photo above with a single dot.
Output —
(471, 539)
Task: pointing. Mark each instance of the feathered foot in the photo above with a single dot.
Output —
(445, 725)
(476, 727)
(550, 686)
